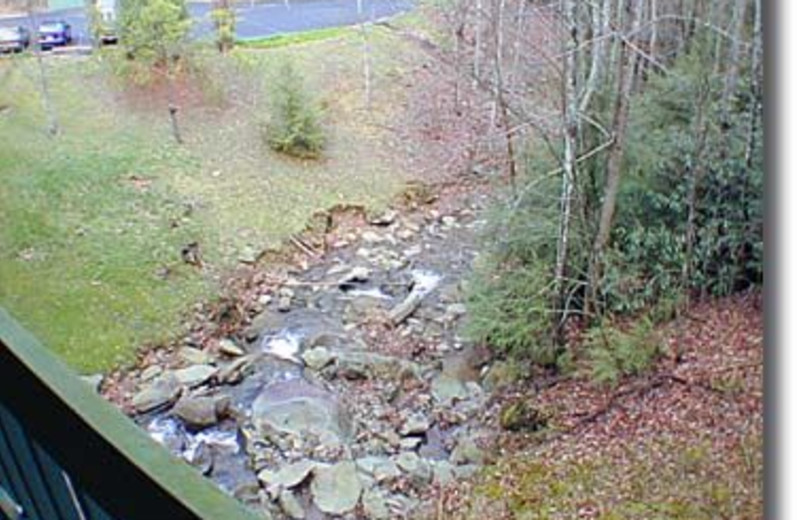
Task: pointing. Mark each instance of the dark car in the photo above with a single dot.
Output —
(14, 39)
(52, 34)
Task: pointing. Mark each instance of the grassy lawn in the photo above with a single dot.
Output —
(92, 222)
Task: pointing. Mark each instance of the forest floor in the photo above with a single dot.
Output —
(682, 441)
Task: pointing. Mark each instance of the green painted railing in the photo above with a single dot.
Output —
(66, 453)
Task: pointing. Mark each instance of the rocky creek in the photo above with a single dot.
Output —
(352, 392)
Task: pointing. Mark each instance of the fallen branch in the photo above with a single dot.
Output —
(406, 308)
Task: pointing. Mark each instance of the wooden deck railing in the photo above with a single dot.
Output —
(66, 453)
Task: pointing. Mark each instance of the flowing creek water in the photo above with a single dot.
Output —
(351, 393)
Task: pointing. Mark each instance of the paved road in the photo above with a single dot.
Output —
(257, 20)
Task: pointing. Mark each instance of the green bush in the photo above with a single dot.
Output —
(614, 353)
(510, 292)
(294, 128)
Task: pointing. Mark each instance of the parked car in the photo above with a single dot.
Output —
(14, 39)
(54, 33)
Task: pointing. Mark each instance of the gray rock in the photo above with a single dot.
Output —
(194, 356)
(151, 373)
(94, 381)
(336, 489)
(228, 347)
(359, 364)
(466, 471)
(200, 412)
(201, 458)
(318, 358)
(291, 506)
(417, 468)
(384, 219)
(358, 274)
(443, 472)
(447, 388)
(288, 476)
(194, 375)
(296, 407)
(161, 392)
(382, 468)
(410, 443)
(415, 424)
(374, 502)
(236, 370)
(467, 452)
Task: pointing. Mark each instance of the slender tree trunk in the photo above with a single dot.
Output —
(476, 59)
(517, 43)
(53, 128)
(568, 165)
(172, 102)
(755, 84)
(732, 65)
(626, 75)
(601, 21)
(366, 58)
(498, 62)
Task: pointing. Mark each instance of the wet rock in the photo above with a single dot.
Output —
(228, 347)
(288, 476)
(291, 506)
(336, 489)
(200, 412)
(375, 504)
(194, 356)
(417, 468)
(161, 392)
(201, 458)
(318, 358)
(194, 375)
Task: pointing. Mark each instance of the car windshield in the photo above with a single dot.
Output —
(50, 27)
(8, 33)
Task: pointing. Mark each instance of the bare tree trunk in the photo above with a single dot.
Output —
(498, 62)
(601, 20)
(172, 102)
(366, 58)
(517, 43)
(53, 127)
(570, 10)
(476, 60)
(626, 75)
(755, 84)
(732, 66)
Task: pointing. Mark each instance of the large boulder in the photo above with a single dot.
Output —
(336, 489)
(161, 392)
(298, 408)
